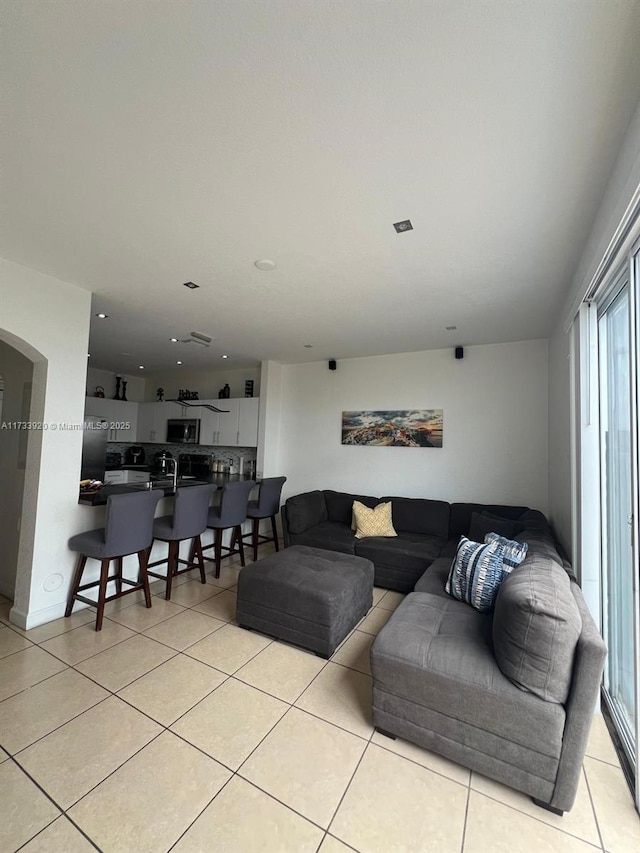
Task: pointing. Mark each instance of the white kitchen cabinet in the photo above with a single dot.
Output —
(208, 422)
(152, 422)
(248, 422)
(117, 478)
(121, 415)
(136, 476)
(235, 426)
(228, 423)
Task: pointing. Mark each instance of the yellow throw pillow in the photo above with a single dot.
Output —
(373, 522)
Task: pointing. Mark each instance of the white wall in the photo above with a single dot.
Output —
(17, 371)
(495, 404)
(622, 186)
(48, 321)
(107, 379)
(560, 437)
(206, 382)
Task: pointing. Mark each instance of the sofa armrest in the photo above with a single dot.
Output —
(590, 655)
(302, 512)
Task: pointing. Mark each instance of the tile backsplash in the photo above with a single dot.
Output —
(228, 455)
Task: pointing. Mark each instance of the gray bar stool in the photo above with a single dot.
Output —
(188, 521)
(267, 506)
(128, 530)
(231, 514)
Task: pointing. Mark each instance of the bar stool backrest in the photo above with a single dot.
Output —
(233, 503)
(129, 522)
(190, 511)
(269, 496)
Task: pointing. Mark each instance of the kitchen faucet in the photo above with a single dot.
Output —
(174, 472)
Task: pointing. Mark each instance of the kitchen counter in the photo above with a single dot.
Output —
(99, 497)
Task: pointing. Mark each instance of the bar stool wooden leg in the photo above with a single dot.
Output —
(218, 549)
(119, 576)
(144, 577)
(255, 534)
(102, 591)
(238, 533)
(197, 547)
(275, 531)
(172, 566)
(77, 577)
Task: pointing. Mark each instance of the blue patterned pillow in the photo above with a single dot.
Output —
(476, 573)
(514, 552)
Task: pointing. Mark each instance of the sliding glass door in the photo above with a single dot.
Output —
(619, 485)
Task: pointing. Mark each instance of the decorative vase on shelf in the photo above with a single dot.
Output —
(116, 396)
(124, 390)
(226, 391)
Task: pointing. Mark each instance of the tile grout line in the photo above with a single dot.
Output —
(466, 817)
(593, 806)
(351, 778)
(51, 799)
(533, 817)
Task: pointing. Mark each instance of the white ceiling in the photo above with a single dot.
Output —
(151, 143)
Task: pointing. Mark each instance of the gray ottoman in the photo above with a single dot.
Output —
(306, 596)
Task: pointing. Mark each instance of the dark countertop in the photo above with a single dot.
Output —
(99, 497)
(128, 467)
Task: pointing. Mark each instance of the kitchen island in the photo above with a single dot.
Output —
(99, 496)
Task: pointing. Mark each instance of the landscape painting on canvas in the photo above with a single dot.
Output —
(410, 428)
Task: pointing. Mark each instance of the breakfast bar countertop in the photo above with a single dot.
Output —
(99, 496)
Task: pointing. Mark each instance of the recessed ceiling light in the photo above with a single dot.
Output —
(102, 316)
(88, 355)
(308, 346)
(178, 362)
(191, 285)
(265, 264)
(451, 328)
(141, 366)
(173, 340)
(225, 356)
(405, 225)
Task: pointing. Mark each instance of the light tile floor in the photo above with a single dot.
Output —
(176, 730)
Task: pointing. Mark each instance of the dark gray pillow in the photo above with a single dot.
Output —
(483, 523)
(536, 626)
(305, 511)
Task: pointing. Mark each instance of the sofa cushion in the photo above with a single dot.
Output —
(329, 535)
(340, 505)
(408, 550)
(476, 573)
(419, 515)
(461, 515)
(399, 561)
(437, 654)
(373, 522)
(536, 626)
(304, 511)
(435, 577)
(483, 523)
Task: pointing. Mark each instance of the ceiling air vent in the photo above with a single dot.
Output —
(405, 225)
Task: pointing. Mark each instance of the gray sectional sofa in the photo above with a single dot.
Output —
(509, 693)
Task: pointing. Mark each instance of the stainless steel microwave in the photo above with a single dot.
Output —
(183, 431)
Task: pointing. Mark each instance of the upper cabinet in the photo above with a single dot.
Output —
(146, 423)
(235, 426)
(152, 421)
(121, 415)
(248, 421)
